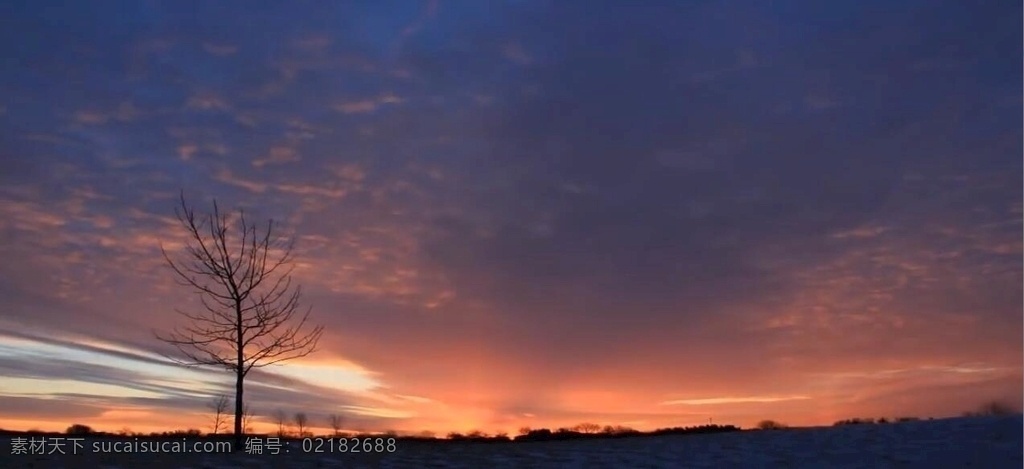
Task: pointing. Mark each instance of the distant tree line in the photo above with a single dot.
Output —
(586, 430)
(79, 429)
(988, 409)
(300, 422)
(298, 426)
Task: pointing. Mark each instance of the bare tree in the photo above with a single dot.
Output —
(587, 427)
(219, 406)
(282, 421)
(301, 420)
(246, 419)
(336, 421)
(250, 315)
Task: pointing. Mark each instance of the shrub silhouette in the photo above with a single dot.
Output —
(191, 433)
(696, 430)
(854, 421)
(534, 435)
(475, 436)
(770, 425)
(79, 429)
(618, 430)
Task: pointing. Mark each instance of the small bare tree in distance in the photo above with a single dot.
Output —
(250, 315)
(219, 406)
(301, 420)
(336, 421)
(281, 419)
(246, 419)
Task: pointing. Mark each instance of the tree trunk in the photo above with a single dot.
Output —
(239, 377)
(238, 411)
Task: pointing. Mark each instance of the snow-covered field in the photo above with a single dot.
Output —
(982, 442)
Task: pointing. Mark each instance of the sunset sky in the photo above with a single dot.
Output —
(522, 213)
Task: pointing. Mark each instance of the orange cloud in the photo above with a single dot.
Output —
(278, 155)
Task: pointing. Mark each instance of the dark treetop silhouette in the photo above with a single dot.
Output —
(250, 314)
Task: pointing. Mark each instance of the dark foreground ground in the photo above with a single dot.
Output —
(981, 442)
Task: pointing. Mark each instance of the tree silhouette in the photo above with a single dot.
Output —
(246, 419)
(219, 406)
(301, 420)
(335, 421)
(282, 420)
(250, 315)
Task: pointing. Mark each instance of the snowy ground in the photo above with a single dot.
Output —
(985, 442)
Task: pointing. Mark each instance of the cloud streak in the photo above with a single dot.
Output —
(734, 400)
